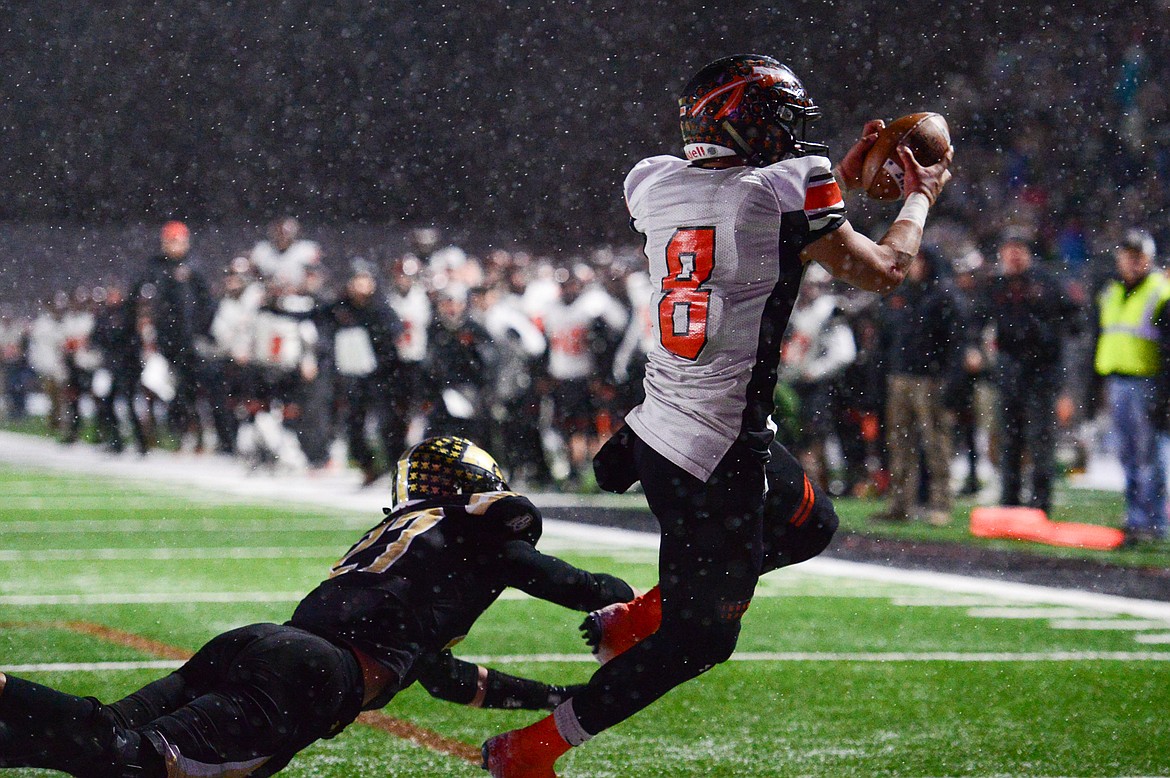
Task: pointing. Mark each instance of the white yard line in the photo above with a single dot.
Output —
(216, 475)
(92, 667)
(148, 598)
(747, 656)
(136, 554)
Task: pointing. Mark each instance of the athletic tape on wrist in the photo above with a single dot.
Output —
(914, 210)
(567, 724)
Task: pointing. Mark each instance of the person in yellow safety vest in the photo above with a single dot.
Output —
(1132, 347)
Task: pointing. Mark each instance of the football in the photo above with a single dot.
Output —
(926, 134)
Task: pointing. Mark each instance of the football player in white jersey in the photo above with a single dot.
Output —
(729, 231)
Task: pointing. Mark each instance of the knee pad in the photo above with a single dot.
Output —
(796, 535)
(697, 649)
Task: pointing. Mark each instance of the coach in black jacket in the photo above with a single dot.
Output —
(178, 303)
(364, 330)
(1033, 314)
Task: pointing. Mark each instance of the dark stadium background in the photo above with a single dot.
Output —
(501, 123)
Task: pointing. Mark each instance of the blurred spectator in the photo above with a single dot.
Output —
(14, 380)
(285, 258)
(515, 399)
(115, 336)
(316, 426)
(629, 362)
(967, 399)
(228, 361)
(817, 349)
(46, 354)
(284, 356)
(81, 360)
(408, 298)
(1133, 344)
(177, 302)
(583, 327)
(365, 331)
(460, 368)
(921, 343)
(1033, 314)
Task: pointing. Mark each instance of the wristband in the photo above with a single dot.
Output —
(914, 210)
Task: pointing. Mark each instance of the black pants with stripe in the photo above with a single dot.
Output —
(718, 538)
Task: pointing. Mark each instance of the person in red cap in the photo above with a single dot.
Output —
(177, 301)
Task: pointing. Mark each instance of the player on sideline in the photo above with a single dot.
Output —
(253, 697)
(729, 231)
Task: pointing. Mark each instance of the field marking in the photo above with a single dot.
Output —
(93, 667)
(958, 657)
(1028, 612)
(1119, 625)
(420, 736)
(868, 656)
(149, 598)
(1153, 638)
(205, 552)
(275, 525)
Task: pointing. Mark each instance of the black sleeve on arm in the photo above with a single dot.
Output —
(447, 678)
(549, 578)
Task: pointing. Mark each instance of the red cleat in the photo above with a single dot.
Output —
(504, 756)
(617, 628)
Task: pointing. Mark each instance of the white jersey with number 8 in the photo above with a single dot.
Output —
(724, 250)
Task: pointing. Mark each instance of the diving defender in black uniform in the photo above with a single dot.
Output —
(251, 698)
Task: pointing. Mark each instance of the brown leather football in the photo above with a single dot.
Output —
(926, 134)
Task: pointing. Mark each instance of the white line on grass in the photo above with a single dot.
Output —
(276, 525)
(875, 656)
(747, 656)
(1119, 625)
(1027, 612)
(212, 475)
(90, 667)
(149, 598)
(135, 554)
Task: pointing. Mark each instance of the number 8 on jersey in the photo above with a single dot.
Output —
(682, 309)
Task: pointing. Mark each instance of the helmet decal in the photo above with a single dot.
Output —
(748, 105)
(444, 466)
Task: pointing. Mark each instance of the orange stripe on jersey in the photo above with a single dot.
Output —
(822, 195)
(806, 504)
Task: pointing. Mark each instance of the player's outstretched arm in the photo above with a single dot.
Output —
(555, 580)
(880, 266)
(446, 677)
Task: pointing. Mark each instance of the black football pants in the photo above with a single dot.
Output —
(718, 537)
(244, 705)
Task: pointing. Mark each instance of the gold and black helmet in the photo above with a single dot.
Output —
(444, 466)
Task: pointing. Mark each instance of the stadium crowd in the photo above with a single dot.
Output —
(284, 354)
(272, 360)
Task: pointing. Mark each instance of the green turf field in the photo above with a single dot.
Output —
(835, 675)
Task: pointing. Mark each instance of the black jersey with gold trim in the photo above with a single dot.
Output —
(417, 581)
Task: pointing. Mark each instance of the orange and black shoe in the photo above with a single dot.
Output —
(617, 628)
(530, 752)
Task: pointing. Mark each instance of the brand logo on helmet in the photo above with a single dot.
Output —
(734, 89)
(520, 522)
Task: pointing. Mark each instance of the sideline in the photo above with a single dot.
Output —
(201, 475)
